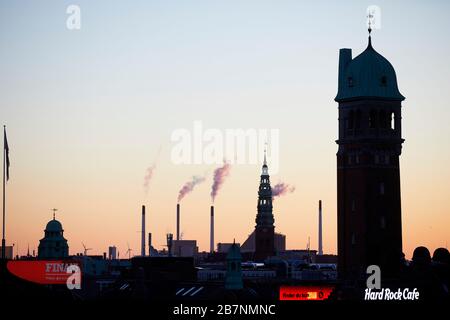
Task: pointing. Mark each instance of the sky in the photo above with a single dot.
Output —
(88, 111)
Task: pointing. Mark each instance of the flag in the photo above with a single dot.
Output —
(6, 150)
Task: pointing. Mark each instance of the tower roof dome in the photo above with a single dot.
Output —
(54, 226)
(369, 75)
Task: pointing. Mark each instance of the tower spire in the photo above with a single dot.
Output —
(265, 154)
(265, 159)
(54, 213)
(265, 170)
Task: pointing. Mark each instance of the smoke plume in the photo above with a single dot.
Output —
(150, 171)
(189, 186)
(281, 189)
(148, 176)
(219, 177)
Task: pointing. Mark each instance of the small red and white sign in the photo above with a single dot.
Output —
(305, 292)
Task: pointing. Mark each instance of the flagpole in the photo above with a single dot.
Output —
(4, 167)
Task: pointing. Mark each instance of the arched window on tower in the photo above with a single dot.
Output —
(383, 222)
(392, 120)
(382, 119)
(351, 120)
(381, 188)
(358, 119)
(372, 119)
(350, 81)
(383, 81)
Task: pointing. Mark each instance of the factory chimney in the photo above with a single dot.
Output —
(211, 245)
(320, 229)
(149, 244)
(143, 232)
(178, 221)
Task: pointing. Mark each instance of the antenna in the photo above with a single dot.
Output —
(85, 249)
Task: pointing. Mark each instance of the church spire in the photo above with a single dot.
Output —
(265, 168)
(264, 229)
(265, 154)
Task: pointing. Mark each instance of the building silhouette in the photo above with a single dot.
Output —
(279, 242)
(264, 229)
(53, 245)
(368, 172)
(233, 277)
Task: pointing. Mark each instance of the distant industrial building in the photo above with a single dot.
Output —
(184, 248)
(112, 253)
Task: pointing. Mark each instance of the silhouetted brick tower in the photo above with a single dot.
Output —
(264, 229)
(368, 172)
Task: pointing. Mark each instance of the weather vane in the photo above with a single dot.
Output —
(54, 212)
(373, 17)
(370, 18)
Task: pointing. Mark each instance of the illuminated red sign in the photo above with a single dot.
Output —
(42, 271)
(305, 292)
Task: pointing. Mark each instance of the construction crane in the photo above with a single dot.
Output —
(85, 249)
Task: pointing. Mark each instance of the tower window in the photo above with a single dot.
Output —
(372, 119)
(383, 119)
(358, 119)
(382, 188)
(353, 239)
(350, 81)
(391, 120)
(353, 205)
(350, 120)
(384, 81)
(382, 222)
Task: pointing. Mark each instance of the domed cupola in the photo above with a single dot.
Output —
(53, 245)
(54, 226)
(369, 75)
